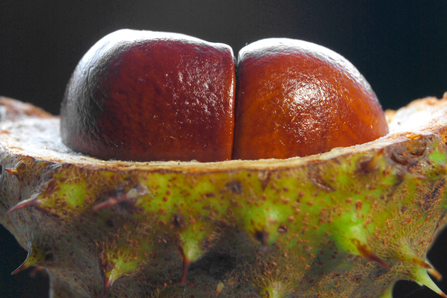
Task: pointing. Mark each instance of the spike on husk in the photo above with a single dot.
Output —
(129, 196)
(219, 288)
(185, 263)
(406, 254)
(12, 171)
(35, 257)
(190, 251)
(423, 279)
(352, 233)
(119, 267)
(368, 254)
(16, 169)
(195, 240)
(33, 201)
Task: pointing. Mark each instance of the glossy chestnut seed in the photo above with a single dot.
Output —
(150, 96)
(295, 98)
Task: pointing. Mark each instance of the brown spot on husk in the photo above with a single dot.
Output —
(400, 157)
(262, 236)
(235, 187)
(417, 146)
(264, 178)
(177, 220)
(369, 164)
(429, 199)
(283, 229)
(320, 183)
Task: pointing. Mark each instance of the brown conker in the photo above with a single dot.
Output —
(296, 98)
(149, 96)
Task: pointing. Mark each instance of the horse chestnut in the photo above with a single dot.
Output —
(148, 96)
(143, 96)
(296, 98)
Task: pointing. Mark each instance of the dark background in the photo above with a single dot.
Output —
(399, 46)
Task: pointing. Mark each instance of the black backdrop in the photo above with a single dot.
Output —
(399, 46)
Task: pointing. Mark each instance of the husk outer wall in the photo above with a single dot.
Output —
(345, 227)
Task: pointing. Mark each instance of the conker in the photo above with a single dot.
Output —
(148, 96)
(296, 98)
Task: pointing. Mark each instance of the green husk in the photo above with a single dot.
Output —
(347, 223)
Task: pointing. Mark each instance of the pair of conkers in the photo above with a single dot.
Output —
(156, 96)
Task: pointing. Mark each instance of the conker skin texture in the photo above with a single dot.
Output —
(295, 98)
(149, 96)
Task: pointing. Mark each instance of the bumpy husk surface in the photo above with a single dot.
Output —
(347, 223)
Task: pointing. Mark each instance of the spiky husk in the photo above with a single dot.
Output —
(347, 223)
